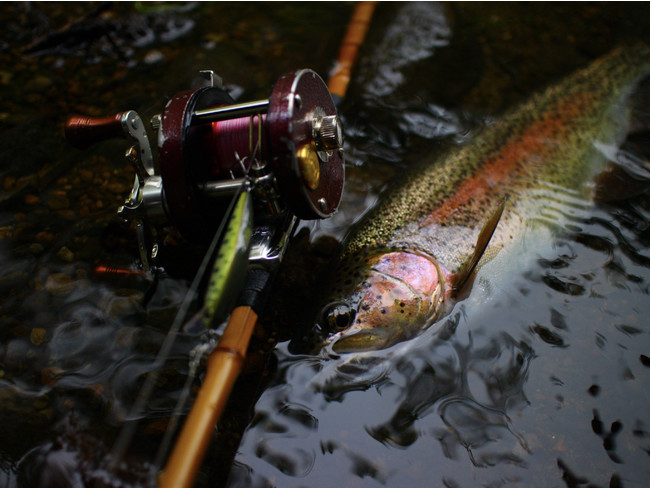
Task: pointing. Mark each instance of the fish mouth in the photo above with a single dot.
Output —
(364, 340)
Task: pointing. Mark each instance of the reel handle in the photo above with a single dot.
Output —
(82, 131)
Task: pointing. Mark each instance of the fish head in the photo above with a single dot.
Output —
(395, 295)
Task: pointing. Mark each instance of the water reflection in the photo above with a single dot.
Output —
(538, 375)
(417, 29)
(95, 36)
(540, 380)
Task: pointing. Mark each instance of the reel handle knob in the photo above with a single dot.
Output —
(82, 131)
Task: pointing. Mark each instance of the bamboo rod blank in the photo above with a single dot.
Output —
(357, 28)
(224, 364)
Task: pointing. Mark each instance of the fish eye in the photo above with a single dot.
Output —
(338, 316)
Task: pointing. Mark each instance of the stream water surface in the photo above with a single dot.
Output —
(538, 381)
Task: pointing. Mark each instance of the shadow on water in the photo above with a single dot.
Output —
(536, 380)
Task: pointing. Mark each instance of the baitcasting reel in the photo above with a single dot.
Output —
(286, 151)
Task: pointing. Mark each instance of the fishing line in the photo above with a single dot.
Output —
(210, 339)
(125, 437)
(198, 352)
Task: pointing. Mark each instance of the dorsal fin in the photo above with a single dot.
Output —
(466, 270)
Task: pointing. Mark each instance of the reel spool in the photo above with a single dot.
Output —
(287, 151)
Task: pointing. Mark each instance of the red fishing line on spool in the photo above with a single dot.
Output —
(231, 141)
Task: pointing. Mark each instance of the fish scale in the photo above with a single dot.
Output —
(546, 144)
(571, 115)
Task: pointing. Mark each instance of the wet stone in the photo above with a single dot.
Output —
(153, 57)
(67, 214)
(5, 77)
(50, 375)
(40, 82)
(19, 228)
(31, 199)
(122, 306)
(9, 183)
(13, 279)
(126, 337)
(58, 202)
(59, 284)
(6, 232)
(16, 354)
(44, 236)
(41, 403)
(37, 336)
(65, 254)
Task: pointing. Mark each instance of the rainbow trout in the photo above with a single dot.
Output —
(405, 266)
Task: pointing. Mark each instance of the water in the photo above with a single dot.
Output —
(539, 382)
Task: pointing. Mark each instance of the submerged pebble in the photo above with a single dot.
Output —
(31, 199)
(59, 284)
(36, 248)
(37, 336)
(16, 354)
(153, 57)
(58, 201)
(50, 375)
(65, 254)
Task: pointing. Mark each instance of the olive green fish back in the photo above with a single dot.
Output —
(549, 138)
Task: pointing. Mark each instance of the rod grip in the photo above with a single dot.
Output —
(82, 131)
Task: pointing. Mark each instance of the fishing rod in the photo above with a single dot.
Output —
(234, 177)
(349, 51)
(278, 160)
(227, 358)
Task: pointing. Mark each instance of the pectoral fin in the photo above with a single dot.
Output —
(466, 270)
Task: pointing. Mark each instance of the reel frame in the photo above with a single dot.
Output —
(287, 151)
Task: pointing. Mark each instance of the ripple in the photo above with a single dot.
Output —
(417, 30)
